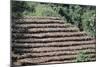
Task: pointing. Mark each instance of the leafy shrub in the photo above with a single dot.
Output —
(45, 10)
(82, 57)
(89, 22)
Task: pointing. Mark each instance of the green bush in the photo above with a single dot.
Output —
(89, 22)
(45, 10)
(82, 57)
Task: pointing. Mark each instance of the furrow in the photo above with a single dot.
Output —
(82, 38)
(54, 29)
(44, 59)
(50, 59)
(42, 49)
(49, 41)
(56, 53)
(40, 30)
(48, 35)
(41, 21)
(42, 26)
(52, 44)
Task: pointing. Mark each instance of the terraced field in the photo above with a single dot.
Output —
(47, 40)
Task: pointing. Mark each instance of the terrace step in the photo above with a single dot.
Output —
(47, 40)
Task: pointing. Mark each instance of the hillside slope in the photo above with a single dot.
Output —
(47, 40)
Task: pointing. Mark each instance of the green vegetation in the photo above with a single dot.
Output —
(82, 16)
(83, 57)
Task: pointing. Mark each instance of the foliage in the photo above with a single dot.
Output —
(89, 22)
(82, 16)
(45, 10)
(82, 57)
(18, 7)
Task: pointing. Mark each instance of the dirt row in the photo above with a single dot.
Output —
(48, 40)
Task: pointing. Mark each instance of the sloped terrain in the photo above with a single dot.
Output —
(47, 40)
